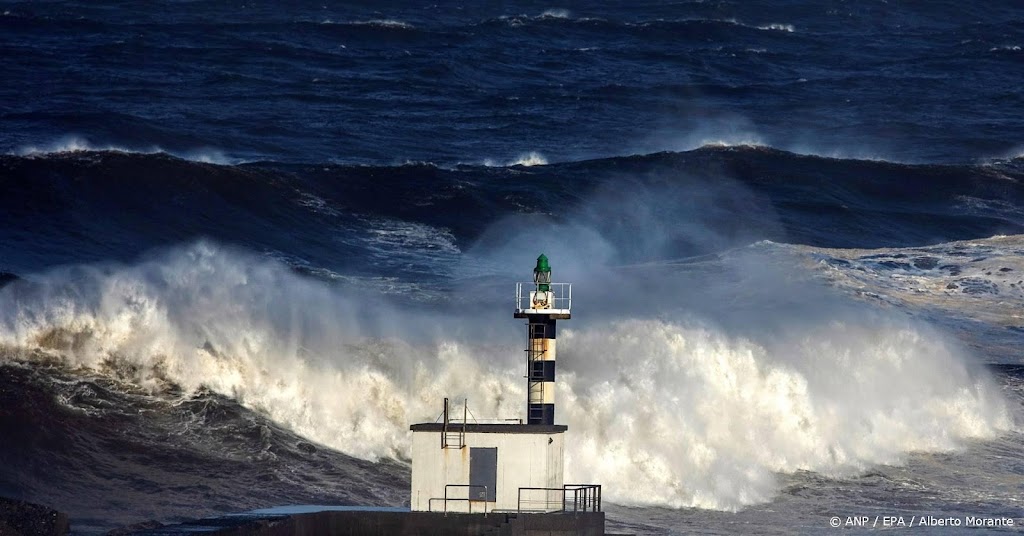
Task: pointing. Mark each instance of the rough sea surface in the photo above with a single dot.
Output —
(244, 245)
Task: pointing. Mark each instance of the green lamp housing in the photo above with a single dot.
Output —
(542, 274)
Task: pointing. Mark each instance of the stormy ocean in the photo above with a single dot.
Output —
(244, 245)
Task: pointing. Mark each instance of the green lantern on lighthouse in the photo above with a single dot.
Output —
(542, 274)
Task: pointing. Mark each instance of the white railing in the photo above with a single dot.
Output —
(561, 298)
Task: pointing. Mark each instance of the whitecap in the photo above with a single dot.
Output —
(531, 158)
(75, 144)
(777, 27)
(555, 14)
(385, 23)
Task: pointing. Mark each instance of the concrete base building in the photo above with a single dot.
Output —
(488, 468)
(472, 467)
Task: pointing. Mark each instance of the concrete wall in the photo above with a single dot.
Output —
(356, 523)
(525, 459)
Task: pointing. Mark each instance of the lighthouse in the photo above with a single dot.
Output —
(541, 306)
(469, 465)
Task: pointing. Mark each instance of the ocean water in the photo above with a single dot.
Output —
(243, 246)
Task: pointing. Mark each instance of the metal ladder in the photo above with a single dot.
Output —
(535, 375)
(453, 436)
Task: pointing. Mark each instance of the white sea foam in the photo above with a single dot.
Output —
(1012, 154)
(385, 23)
(531, 158)
(973, 287)
(556, 14)
(316, 204)
(671, 411)
(690, 417)
(516, 21)
(732, 21)
(392, 237)
(777, 27)
(734, 131)
(740, 141)
(75, 144)
(380, 23)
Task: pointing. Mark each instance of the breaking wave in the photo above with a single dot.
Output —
(531, 158)
(672, 411)
(679, 415)
(75, 144)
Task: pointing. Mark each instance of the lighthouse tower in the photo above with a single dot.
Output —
(469, 465)
(541, 305)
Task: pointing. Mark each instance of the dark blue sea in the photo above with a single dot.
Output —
(244, 245)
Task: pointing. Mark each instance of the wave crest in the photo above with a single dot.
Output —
(692, 418)
(532, 158)
(75, 144)
(672, 413)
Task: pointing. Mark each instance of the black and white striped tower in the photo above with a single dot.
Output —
(541, 304)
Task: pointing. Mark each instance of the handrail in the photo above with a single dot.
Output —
(469, 500)
(561, 297)
(591, 500)
(487, 420)
(585, 498)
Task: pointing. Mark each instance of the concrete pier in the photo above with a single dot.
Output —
(357, 521)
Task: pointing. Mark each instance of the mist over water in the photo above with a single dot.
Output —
(671, 403)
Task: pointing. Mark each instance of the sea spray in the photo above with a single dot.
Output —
(673, 411)
(689, 417)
